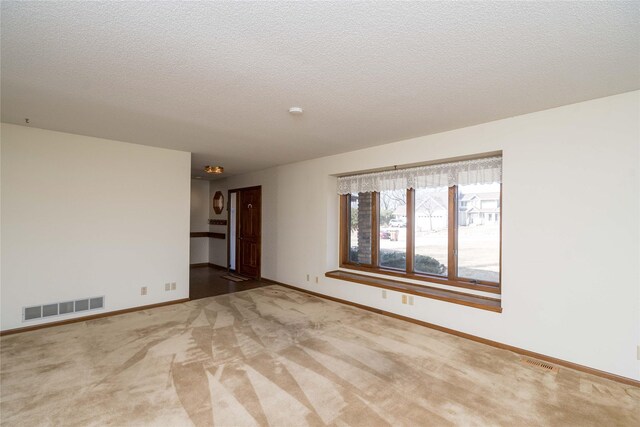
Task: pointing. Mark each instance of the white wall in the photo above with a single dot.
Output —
(571, 283)
(218, 247)
(86, 217)
(199, 220)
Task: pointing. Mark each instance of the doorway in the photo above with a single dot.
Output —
(245, 231)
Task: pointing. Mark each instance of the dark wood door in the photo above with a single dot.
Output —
(249, 232)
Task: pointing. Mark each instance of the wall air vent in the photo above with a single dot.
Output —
(49, 310)
(60, 308)
(81, 305)
(32, 312)
(66, 307)
(544, 366)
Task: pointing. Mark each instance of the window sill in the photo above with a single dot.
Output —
(470, 300)
(491, 288)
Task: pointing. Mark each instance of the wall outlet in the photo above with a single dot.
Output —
(173, 286)
(384, 294)
(307, 277)
(638, 351)
(410, 299)
(167, 287)
(143, 290)
(316, 279)
(404, 299)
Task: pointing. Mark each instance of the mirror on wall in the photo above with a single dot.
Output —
(218, 202)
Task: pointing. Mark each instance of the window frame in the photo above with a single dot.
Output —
(452, 278)
(345, 230)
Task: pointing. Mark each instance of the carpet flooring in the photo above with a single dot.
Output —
(272, 356)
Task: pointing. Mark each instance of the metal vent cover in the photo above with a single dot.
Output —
(544, 366)
(96, 303)
(61, 308)
(33, 312)
(65, 307)
(49, 310)
(81, 305)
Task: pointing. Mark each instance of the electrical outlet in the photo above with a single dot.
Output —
(143, 290)
(167, 287)
(316, 279)
(384, 294)
(173, 286)
(404, 299)
(638, 351)
(307, 277)
(410, 299)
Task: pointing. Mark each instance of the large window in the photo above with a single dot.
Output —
(360, 218)
(479, 232)
(448, 234)
(393, 229)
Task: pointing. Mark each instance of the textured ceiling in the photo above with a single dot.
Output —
(217, 78)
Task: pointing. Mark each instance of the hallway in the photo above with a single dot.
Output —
(207, 281)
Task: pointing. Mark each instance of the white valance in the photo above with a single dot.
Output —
(465, 172)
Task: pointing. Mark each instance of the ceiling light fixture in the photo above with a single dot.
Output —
(217, 170)
(296, 111)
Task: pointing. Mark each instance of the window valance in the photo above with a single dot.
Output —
(477, 171)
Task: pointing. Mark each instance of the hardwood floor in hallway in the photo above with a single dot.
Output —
(207, 281)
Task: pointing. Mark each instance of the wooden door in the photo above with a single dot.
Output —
(249, 231)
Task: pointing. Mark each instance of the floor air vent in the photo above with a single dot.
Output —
(60, 308)
(543, 366)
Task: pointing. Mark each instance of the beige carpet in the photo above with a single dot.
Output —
(273, 356)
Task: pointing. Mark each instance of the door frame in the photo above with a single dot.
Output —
(237, 190)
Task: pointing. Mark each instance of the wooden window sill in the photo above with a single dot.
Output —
(470, 300)
(480, 286)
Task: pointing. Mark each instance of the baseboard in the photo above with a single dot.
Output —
(92, 317)
(219, 267)
(207, 264)
(566, 364)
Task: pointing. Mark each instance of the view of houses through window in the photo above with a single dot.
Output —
(479, 232)
(393, 229)
(477, 237)
(431, 230)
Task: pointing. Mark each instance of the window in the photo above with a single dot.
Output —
(360, 211)
(444, 228)
(393, 229)
(479, 238)
(431, 231)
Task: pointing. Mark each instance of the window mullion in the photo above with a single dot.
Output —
(410, 229)
(375, 228)
(345, 228)
(500, 261)
(453, 233)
